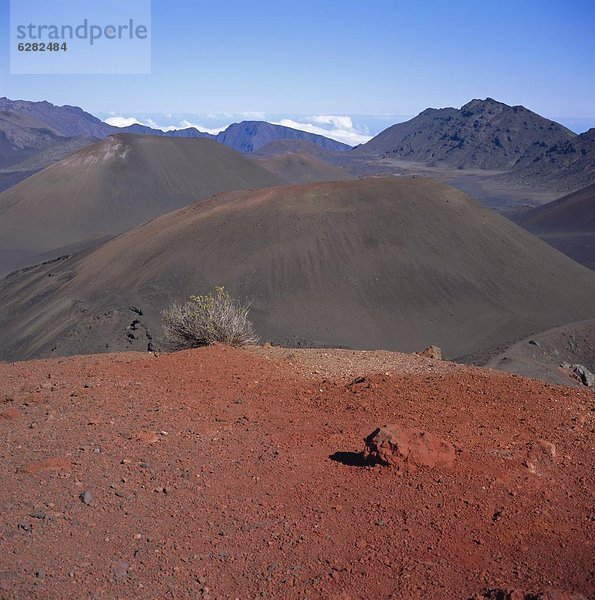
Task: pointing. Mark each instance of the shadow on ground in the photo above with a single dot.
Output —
(351, 459)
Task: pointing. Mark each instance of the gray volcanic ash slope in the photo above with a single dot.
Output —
(572, 213)
(298, 167)
(567, 224)
(114, 185)
(376, 263)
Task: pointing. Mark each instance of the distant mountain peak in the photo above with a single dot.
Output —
(489, 105)
(484, 134)
(429, 111)
(485, 102)
(250, 136)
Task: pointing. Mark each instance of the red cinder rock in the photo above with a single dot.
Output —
(407, 448)
(540, 456)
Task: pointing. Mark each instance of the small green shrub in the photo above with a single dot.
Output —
(203, 320)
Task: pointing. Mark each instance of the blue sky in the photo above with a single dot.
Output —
(368, 60)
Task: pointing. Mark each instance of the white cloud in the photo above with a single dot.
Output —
(123, 121)
(184, 124)
(148, 122)
(334, 120)
(153, 124)
(336, 127)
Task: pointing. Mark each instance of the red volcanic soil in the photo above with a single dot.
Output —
(223, 473)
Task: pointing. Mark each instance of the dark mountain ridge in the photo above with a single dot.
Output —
(28, 127)
(483, 134)
(565, 166)
(490, 135)
(65, 121)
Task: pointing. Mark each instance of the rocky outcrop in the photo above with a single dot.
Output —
(432, 352)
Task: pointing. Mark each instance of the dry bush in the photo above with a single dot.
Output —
(203, 320)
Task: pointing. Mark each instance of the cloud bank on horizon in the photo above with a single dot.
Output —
(337, 127)
(117, 121)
